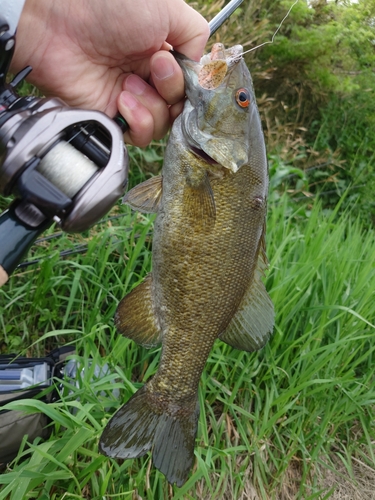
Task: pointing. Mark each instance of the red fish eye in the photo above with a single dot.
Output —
(243, 98)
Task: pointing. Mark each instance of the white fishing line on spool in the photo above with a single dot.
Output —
(67, 168)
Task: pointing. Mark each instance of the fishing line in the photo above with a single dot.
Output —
(273, 36)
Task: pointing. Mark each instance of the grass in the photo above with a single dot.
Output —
(293, 421)
(272, 424)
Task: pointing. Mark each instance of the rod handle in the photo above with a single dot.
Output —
(16, 237)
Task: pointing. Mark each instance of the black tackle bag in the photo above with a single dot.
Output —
(25, 378)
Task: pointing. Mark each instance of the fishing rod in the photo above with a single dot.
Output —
(62, 164)
(223, 15)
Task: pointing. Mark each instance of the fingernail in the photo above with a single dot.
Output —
(128, 100)
(135, 84)
(163, 68)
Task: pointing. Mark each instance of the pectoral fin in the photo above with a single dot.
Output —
(146, 196)
(199, 202)
(253, 323)
(135, 318)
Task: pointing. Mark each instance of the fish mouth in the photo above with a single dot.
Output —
(200, 144)
(212, 69)
(202, 154)
(193, 136)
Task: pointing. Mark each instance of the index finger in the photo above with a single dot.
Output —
(189, 31)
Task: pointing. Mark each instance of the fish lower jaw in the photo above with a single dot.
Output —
(229, 165)
(202, 154)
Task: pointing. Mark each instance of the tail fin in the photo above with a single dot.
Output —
(138, 427)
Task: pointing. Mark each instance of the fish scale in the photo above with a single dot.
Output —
(208, 260)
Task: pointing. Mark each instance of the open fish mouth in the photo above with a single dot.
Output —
(202, 154)
(204, 145)
(194, 137)
(214, 67)
(211, 71)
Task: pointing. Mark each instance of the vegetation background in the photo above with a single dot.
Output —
(295, 420)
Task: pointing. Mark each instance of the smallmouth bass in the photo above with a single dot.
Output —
(208, 259)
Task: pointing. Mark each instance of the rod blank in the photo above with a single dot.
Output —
(223, 15)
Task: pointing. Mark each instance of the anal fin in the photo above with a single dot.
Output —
(145, 197)
(135, 317)
(252, 325)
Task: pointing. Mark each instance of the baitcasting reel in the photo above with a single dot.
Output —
(61, 164)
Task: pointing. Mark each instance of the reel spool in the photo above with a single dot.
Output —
(67, 168)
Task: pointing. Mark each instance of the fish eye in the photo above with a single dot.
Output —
(243, 98)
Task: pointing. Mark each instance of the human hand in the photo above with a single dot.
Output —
(112, 56)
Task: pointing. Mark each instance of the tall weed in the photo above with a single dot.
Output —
(295, 405)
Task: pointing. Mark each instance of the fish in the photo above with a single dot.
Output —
(208, 260)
